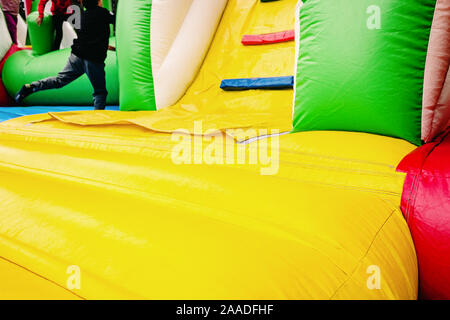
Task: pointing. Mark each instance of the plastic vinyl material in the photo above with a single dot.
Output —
(5, 99)
(188, 50)
(134, 55)
(268, 38)
(5, 38)
(275, 83)
(42, 37)
(361, 67)
(112, 196)
(23, 67)
(113, 203)
(166, 21)
(30, 286)
(436, 99)
(226, 58)
(5, 47)
(14, 48)
(426, 206)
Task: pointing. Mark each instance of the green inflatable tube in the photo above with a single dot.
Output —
(133, 54)
(24, 67)
(41, 36)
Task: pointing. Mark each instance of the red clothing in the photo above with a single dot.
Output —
(59, 7)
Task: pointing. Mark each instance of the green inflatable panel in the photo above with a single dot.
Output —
(24, 67)
(361, 66)
(42, 37)
(133, 54)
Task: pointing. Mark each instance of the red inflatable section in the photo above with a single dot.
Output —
(268, 38)
(5, 99)
(426, 206)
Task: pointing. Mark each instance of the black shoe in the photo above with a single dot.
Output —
(24, 92)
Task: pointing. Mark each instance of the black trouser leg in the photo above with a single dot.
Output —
(58, 21)
(96, 74)
(72, 71)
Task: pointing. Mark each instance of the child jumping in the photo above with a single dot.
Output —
(88, 56)
(59, 13)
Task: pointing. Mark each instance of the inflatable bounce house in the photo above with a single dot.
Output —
(346, 105)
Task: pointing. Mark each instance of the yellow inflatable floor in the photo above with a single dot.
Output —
(112, 202)
(116, 210)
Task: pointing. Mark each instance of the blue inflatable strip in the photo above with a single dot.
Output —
(272, 83)
(7, 113)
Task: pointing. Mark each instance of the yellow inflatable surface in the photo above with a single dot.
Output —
(95, 205)
(112, 202)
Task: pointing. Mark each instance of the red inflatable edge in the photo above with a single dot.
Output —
(426, 207)
(5, 99)
(268, 38)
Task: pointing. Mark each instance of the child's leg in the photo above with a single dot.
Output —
(11, 22)
(72, 71)
(58, 21)
(96, 74)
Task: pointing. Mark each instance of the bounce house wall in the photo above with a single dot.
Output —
(134, 55)
(361, 67)
(436, 99)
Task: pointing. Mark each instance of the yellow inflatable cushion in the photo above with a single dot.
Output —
(111, 201)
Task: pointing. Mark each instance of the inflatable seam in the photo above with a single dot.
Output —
(40, 276)
(350, 276)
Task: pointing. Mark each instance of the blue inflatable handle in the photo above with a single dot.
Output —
(272, 83)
